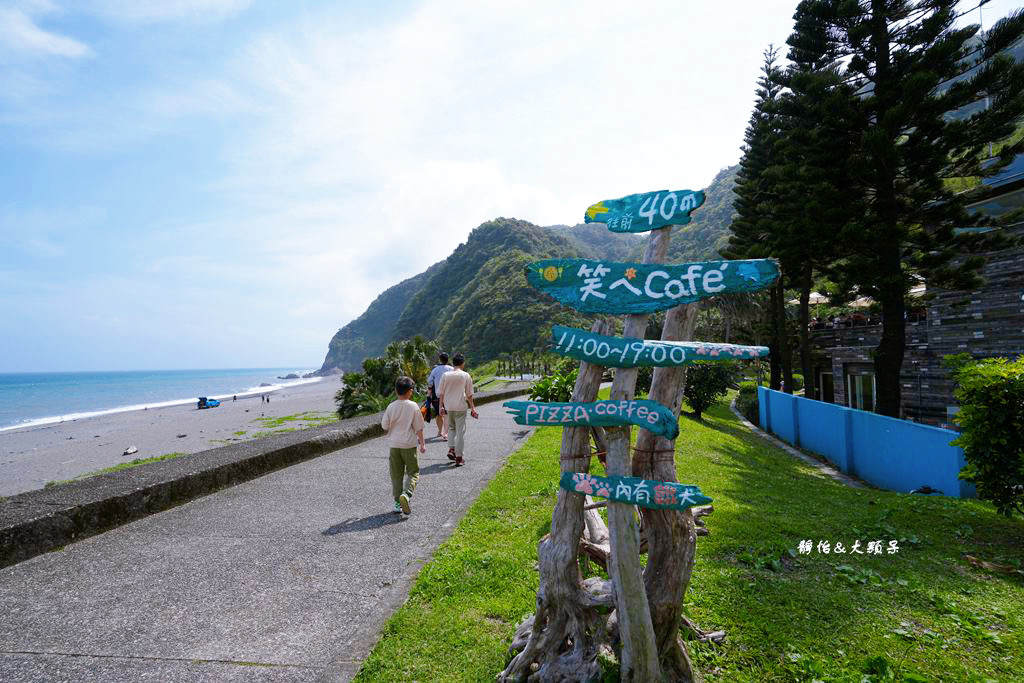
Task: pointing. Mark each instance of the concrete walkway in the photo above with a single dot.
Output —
(288, 577)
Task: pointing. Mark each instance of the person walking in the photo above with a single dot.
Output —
(455, 397)
(403, 422)
(433, 384)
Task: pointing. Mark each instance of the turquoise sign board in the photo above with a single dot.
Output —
(646, 211)
(650, 415)
(656, 495)
(612, 287)
(624, 352)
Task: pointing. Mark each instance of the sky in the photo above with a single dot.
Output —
(226, 183)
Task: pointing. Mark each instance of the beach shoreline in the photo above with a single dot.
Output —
(33, 455)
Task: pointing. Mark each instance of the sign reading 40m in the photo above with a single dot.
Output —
(609, 287)
(646, 211)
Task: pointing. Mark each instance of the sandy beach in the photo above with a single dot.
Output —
(32, 456)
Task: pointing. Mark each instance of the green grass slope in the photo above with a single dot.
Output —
(925, 613)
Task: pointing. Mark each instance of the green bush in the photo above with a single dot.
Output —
(748, 388)
(746, 401)
(644, 378)
(707, 383)
(371, 390)
(991, 397)
(557, 386)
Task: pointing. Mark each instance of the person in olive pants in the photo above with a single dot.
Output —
(403, 422)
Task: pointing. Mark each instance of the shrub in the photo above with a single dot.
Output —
(746, 401)
(707, 383)
(748, 389)
(557, 386)
(371, 390)
(991, 397)
(644, 378)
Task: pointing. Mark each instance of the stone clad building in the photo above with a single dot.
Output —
(986, 323)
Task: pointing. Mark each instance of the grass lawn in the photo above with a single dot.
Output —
(118, 467)
(925, 613)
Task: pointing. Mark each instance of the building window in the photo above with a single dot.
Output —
(826, 392)
(860, 390)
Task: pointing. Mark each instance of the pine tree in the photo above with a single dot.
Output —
(756, 204)
(911, 67)
(815, 203)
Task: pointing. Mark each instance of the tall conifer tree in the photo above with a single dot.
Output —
(911, 67)
(815, 203)
(757, 200)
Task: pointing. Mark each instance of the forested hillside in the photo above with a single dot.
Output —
(368, 334)
(477, 300)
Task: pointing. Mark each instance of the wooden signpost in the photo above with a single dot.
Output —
(653, 495)
(622, 352)
(650, 415)
(645, 211)
(611, 287)
(565, 603)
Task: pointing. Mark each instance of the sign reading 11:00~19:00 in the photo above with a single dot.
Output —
(626, 352)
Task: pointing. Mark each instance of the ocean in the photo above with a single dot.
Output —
(34, 398)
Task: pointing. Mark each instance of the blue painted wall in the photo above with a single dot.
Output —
(883, 451)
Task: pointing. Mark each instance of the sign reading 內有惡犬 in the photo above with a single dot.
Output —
(650, 415)
(645, 211)
(612, 287)
(624, 352)
(655, 495)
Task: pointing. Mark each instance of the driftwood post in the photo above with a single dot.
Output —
(562, 639)
(558, 641)
(671, 534)
(639, 650)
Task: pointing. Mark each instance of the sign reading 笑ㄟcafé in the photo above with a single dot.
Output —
(591, 286)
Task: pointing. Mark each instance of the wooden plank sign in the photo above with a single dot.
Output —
(656, 495)
(645, 211)
(650, 415)
(611, 287)
(622, 352)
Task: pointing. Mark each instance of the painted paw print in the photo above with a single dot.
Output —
(584, 483)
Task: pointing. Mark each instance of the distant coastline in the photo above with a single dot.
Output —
(35, 399)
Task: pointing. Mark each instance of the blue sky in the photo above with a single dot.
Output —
(225, 183)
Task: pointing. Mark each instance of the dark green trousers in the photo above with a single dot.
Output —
(404, 465)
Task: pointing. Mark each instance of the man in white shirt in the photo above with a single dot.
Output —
(433, 384)
(456, 396)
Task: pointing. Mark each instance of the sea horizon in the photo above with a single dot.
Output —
(29, 399)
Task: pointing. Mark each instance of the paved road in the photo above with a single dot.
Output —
(288, 577)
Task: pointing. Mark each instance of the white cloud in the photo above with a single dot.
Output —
(149, 11)
(355, 154)
(20, 34)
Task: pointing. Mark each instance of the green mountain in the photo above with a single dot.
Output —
(708, 232)
(477, 300)
(370, 333)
